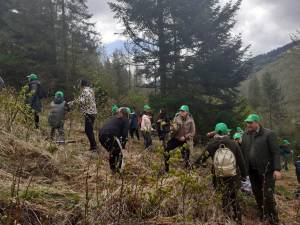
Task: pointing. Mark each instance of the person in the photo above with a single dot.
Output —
(228, 169)
(297, 165)
(260, 149)
(183, 131)
(240, 130)
(56, 118)
(146, 127)
(284, 153)
(113, 137)
(114, 110)
(163, 126)
(88, 109)
(134, 126)
(33, 97)
(237, 137)
(2, 83)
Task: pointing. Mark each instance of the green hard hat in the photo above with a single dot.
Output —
(59, 94)
(253, 118)
(128, 110)
(237, 136)
(239, 129)
(286, 142)
(147, 107)
(222, 128)
(32, 77)
(114, 108)
(184, 108)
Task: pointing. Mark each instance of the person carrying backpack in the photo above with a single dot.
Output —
(228, 169)
(56, 118)
(88, 108)
(134, 125)
(146, 127)
(113, 137)
(182, 131)
(33, 97)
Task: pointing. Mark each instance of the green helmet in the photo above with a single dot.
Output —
(128, 110)
(147, 107)
(184, 108)
(59, 94)
(114, 109)
(253, 118)
(239, 129)
(286, 142)
(32, 77)
(222, 128)
(237, 136)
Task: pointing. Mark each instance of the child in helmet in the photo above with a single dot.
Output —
(56, 118)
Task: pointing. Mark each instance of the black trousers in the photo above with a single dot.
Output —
(228, 187)
(263, 186)
(134, 131)
(36, 119)
(115, 153)
(172, 144)
(147, 139)
(89, 130)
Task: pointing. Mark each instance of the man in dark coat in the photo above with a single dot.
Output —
(259, 146)
(113, 137)
(34, 96)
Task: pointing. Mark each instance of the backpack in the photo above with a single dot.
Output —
(224, 162)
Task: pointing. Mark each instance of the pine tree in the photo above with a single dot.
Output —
(273, 98)
(254, 93)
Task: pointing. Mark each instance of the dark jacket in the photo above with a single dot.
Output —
(297, 165)
(58, 108)
(284, 151)
(34, 95)
(117, 127)
(214, 145)
(261, 151)
(134, 121)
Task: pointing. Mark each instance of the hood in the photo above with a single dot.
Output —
(58, 100)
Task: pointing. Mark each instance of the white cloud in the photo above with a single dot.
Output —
(265, 24)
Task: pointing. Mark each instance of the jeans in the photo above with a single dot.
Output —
(60, 130)
(147, 139)
(134, 131)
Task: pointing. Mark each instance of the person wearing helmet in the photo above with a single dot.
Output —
(261, 152)
(237, 137)
(284, 153)
(182, 131)
(146, 127)
(114, 110)
(56, 118)
(33, 97)
(88, 108)
(113, 137)
(228, 169)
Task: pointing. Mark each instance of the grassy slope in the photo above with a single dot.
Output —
(72, 186)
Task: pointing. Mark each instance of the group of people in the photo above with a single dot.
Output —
(252, 153)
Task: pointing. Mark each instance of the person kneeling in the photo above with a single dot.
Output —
(113, 137)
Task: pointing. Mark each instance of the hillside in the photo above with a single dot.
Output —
(286, 69)
(46, 184)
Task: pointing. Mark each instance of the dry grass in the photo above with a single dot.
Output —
(68, 185)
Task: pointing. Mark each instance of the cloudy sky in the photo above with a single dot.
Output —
(265, 24)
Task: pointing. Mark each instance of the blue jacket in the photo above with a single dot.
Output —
(133, 121)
